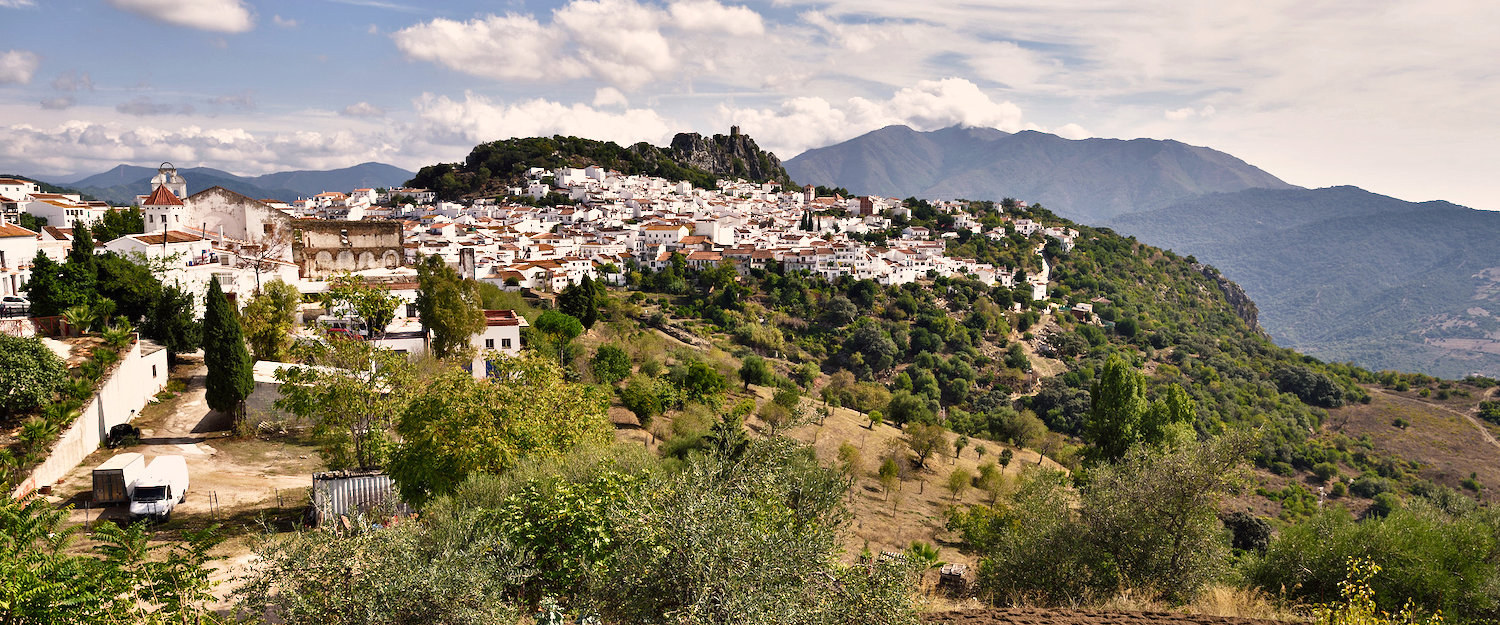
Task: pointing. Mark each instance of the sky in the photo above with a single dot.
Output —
(1399, 97)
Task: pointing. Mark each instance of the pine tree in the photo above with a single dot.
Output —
(83, 244)
(230, 379)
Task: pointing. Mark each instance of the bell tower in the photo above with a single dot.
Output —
(163, 209)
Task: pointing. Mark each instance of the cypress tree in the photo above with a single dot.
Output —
(230, 378)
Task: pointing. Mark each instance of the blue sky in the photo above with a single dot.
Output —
(1398, 97)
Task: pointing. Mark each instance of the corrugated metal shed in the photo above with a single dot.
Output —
(345, 493)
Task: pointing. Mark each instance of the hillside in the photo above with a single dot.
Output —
(492, 167)
(1345, 274)
(1089, 180)
(47, 187)
(121, 184)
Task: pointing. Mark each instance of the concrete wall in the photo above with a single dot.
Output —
(139, 376)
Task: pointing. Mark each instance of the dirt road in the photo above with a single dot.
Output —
(1045, 616)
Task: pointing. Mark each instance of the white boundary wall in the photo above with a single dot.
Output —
(133, 382)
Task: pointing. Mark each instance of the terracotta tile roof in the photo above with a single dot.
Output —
(162, 197)
(9, 230)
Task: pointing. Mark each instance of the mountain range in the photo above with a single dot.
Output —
(1339, 273)
(121, 184)
(1089, 180)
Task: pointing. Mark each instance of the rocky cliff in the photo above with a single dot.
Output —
(1244, 307)
(734, 156)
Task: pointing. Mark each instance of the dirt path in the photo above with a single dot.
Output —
(1484, 432)
(1061, 616)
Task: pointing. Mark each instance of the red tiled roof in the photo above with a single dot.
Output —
(9, 230)
(162, 197)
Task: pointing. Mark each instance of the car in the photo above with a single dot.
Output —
(14, 304)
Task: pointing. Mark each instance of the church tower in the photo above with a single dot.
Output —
(163, 209)
(166, 176)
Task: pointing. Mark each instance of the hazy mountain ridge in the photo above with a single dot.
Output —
(1088, 180)
(1339, 273)
(121, 184)
(1345, 274)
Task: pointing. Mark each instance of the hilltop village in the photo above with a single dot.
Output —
(563, 225)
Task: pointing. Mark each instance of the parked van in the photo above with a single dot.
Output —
(160, 488)
(115, 479)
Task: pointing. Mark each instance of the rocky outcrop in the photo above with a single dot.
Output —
(1243, 306)
(733, 156)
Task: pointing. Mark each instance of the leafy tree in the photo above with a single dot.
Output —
(693, 534)
(463, 571)
(31, 222)
(906, 408)
(1118, 404)
(118, 223)
(30, 374)
(869, 347)
(851, 461)
(1169, 421)
(889, 474)
(456, 426)
(581, 301)
(171, 322)
(727, 437)
(448, 306)
(54, 288)
(642, 396)
(230, 379)
(958, 482)
(610, 364)
(374, 305)
(269, 320)
(840, 311)
(699, 382)
(553, 333)
(755, 370)
(82, 250)
(926, 440)
(352, 392)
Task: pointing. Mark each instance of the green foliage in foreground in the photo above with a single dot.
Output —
(1146, 523)
(1442, 554)
(30, 374)
(127, 581)
(717, 539)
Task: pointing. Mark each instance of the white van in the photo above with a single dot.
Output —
(160, 488)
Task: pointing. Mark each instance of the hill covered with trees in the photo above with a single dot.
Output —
(492, 167)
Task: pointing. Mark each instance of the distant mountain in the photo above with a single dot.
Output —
(1339, 273)
(121, 184)
(1348, 275)
(1088, 180)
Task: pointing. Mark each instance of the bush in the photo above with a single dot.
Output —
(30, 374)
(610, 364)
(1440, 561)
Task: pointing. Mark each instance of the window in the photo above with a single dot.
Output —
(266, 228)
(505, 343)
(153, 371)
(489, 343)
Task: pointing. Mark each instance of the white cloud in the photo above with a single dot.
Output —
(17, 66)
(362, 109)
(243, 101)
(76, 146)
(16, 4)
(806, 122)
(283, 22)
(1072, 131)
(623, 43)
(711, 16)
(609, 97)
(1188, 112)
(477, 119)
(228, 16)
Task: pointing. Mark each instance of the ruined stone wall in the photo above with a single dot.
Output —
(324, 248)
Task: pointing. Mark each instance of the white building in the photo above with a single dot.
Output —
(501, 335)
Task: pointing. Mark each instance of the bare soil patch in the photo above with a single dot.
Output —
(1065, 616)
